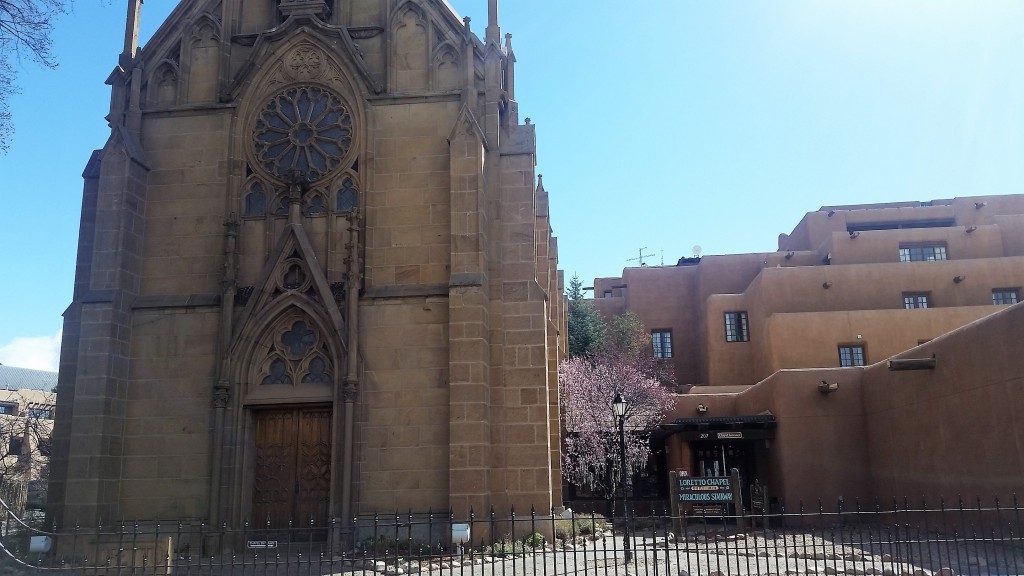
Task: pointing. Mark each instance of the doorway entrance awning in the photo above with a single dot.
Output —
(754, 427)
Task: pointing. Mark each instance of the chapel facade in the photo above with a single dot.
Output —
(316, 274)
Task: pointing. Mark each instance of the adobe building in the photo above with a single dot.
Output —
(316, 277)
(875, 354)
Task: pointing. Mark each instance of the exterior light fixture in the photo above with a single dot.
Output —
(854, 234)
(619, 405)
(826, 387)
(826, 284)
(970, 229)
(701, 408)
(959, 278)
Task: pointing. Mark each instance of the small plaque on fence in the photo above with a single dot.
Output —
(261, 544)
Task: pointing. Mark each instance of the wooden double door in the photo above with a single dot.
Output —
(292, 468)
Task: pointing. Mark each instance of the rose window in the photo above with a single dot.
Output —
(304, 131)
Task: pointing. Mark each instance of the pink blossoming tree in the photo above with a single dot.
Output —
(588, 386)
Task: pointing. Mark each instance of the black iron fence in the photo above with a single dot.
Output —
(901, 538)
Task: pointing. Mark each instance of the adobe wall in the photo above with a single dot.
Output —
(956, 429)
(811, 339)
(665, 298)
(818, 452)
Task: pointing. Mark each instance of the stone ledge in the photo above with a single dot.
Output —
(176, 301)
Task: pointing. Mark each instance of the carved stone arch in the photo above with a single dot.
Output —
(261, 71)
(446, 70)
(346, 192)
(301, 69)
(205, 28)
(410, 49)
(163, 85)
(278, 351)
(202, 59)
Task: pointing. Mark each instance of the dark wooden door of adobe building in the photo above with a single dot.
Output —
(292, 468)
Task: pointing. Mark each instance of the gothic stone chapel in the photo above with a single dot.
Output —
(316, 277)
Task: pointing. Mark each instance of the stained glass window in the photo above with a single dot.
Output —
(306, 129)
(278, 373)
(317, 372)
(255, 200)
(348, 196)
(299, 339)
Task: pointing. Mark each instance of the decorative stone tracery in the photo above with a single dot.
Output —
(306, 130)
(296, 354)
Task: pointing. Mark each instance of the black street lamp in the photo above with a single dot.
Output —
(619, 406)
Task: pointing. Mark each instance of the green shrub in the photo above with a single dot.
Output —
(564, 529)
(587, 525)
(535, 540)
(507, 547)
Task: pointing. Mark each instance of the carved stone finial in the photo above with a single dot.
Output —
(527, 121)
(508, 42)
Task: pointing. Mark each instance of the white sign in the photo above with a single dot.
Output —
(261, 544)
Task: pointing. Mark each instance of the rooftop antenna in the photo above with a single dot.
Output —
(641, 257)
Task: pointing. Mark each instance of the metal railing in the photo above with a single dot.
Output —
(965, 537)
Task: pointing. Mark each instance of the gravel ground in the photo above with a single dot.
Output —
(763, 553)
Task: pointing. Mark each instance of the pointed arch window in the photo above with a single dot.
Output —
(348, 195)
(255, 200)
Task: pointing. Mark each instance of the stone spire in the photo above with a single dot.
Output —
(131, 34)
(493, 33)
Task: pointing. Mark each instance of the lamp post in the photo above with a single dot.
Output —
(619, 406)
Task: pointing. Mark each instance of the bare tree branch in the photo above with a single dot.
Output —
(25, 33)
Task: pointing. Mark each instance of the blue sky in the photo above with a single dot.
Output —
(673, 124)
